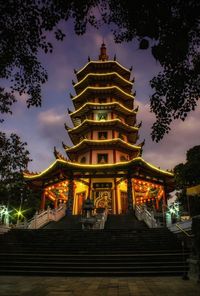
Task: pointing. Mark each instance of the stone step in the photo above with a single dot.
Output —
(109, 252)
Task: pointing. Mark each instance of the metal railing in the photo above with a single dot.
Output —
(184, 245)
(184, 231)
(182, 225)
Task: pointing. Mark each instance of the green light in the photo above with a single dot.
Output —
(4, 215)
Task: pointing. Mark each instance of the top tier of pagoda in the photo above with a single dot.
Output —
(104, 119)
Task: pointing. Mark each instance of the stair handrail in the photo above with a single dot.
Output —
(138, 212)
(40, 219)
(185, 225)
(149, 219)
(144, 215)
(184, 231)
(183, 244)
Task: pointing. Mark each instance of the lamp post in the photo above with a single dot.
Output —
(19, 212)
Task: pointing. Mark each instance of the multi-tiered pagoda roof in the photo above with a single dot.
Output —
(105, 131)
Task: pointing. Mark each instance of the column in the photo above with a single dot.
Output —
(56, 203)
(164, 204)
(70, 195)
(133, 195)
(129, 193)
(116, 209)
(43, 200)
(89, 189)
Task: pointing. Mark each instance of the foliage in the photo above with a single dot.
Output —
(171, 28)
(24, 28)
(187, 175)
(14, 158)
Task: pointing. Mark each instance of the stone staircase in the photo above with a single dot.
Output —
(67, 222)
(109, 252)
(125, 221)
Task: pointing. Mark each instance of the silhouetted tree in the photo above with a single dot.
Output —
(187, 175)
(14, 158)
(170, 28)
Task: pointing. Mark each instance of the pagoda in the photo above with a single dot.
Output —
(105, 162)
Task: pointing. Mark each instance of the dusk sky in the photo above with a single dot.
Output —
(43, 128)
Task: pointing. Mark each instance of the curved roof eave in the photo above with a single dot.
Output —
(73, 166)
(104, 62)
(89, 104)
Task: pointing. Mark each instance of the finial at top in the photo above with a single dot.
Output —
(103, 55)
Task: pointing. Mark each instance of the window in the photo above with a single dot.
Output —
(122, 158)
(102, 100)
(120, 136)
(102, 135)
(102, 116)
(102, 158)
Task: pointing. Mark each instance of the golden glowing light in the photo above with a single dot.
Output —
(88, 104)
(103, 74)
(133, 147)
(103, 88)
(105, 62)
(96, 166)
(116, 120)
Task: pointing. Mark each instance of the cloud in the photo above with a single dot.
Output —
(51, 126)
(172, 149)
(50, 117)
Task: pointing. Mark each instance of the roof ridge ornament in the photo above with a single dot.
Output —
(65, 146)
(58, 155)
(139, 125)
(103, 55)
(136, 109)
(69, 111)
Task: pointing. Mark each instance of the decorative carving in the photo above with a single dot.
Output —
(136, 109)
(58, 155)
(139, 125)
(65, 146)
(66, 127)
(69, 111)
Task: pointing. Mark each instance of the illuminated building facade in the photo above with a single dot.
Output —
(104, 163)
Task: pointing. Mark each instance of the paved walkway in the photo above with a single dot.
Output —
(99, 286)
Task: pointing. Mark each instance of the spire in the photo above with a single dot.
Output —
(103, 55)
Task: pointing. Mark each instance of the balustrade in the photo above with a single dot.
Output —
(40, 219)
(144, 215)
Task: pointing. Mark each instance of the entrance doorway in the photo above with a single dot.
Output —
(124, 202)
(80, 197)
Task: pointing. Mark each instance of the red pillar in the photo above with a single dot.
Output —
(89, 188)
(116, 197)
(43, 200)
(55, 203)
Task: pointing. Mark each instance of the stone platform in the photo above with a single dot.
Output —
(99, 286)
